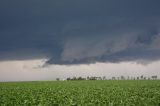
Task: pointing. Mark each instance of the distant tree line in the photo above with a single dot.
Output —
(155, 77)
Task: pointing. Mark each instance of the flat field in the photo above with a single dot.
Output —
(80, 93)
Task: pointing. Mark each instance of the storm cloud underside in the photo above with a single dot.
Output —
(80, 31)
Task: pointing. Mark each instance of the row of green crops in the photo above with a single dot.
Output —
(80, 93)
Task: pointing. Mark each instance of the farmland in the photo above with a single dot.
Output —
(81, 93)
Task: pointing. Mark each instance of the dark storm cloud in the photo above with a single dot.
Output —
(80, 32)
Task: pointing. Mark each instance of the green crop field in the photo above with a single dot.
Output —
(80, 93)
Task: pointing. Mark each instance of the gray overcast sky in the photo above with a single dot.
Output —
(78, 33)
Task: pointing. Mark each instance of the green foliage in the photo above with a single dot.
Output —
(80, 93)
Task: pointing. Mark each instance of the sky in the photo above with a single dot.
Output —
(43, 40)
